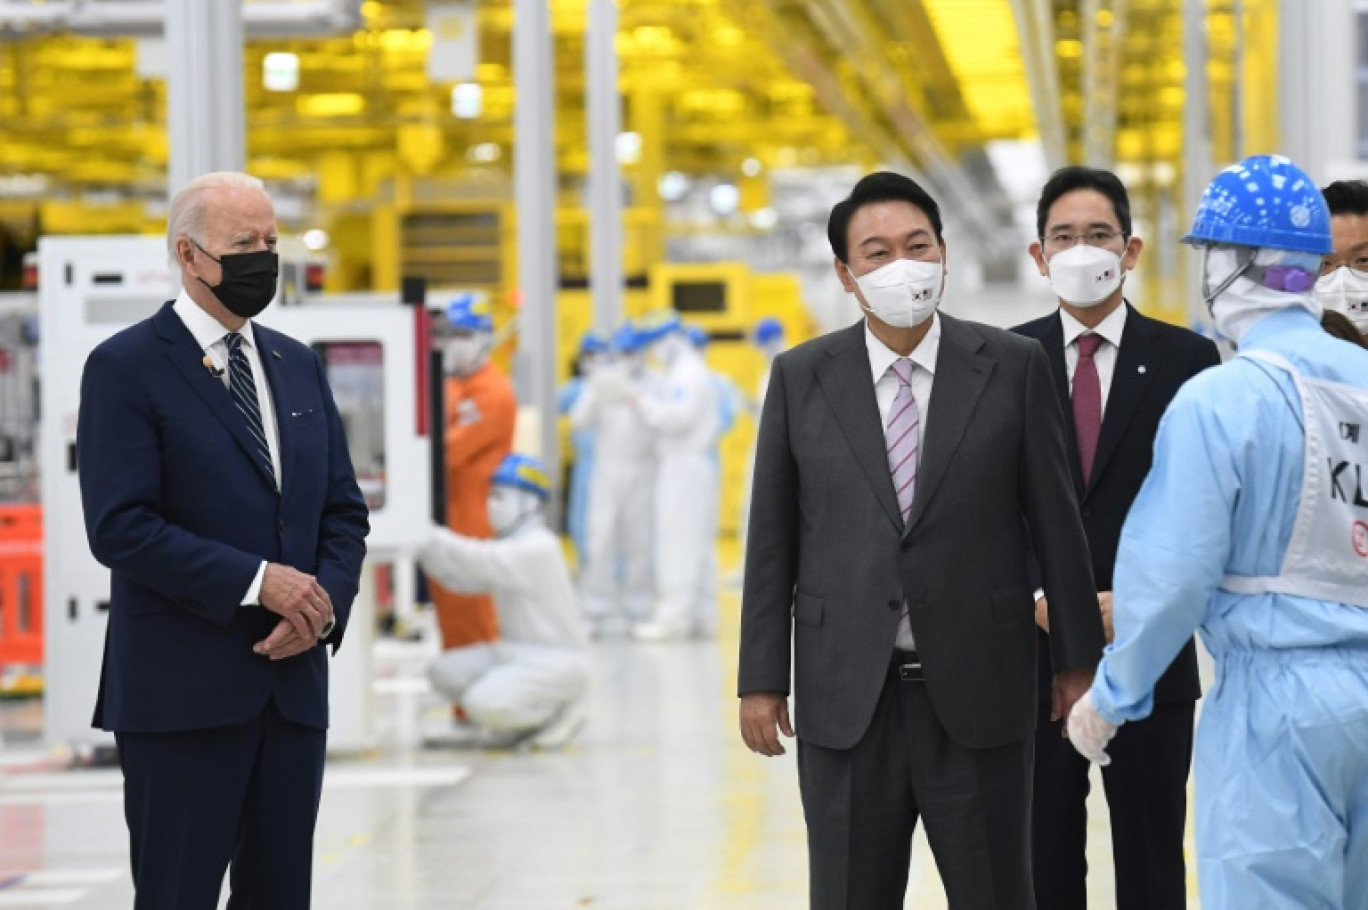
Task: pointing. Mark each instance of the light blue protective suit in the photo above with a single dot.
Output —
(577, 497)
(1282, 748)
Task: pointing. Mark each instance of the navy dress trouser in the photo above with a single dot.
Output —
(197, 801)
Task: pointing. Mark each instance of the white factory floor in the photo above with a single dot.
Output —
(656, 805)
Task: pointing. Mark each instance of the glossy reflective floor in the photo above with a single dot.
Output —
(656, 805)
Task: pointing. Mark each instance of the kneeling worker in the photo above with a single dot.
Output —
(532, 681)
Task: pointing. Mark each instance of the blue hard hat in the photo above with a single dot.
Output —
(658, 325)
(697, 337)
(625, 339)
(768, 329)
(1265, 201)
(593, 342)
(470, 313)
(525, 473)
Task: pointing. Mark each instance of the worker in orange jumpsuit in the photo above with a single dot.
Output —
(480, 413)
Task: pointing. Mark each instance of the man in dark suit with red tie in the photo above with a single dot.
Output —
(1115, 371)
(218, 490)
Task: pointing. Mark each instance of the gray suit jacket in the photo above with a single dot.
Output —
(829, 562)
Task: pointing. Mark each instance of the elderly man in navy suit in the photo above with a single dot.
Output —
(218, 490)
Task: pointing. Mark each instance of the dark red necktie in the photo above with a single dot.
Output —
(1087, 402)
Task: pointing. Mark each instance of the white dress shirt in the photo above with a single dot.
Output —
(209, 334)
(1110, 329)
(923, 357)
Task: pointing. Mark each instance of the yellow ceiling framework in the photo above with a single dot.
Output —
(922, 83)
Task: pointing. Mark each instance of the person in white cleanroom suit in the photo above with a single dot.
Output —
(728, 403)
(592, 350)
(1252, 528)
(616, 582)
(683, 412)
(769, 339)
(533, 680)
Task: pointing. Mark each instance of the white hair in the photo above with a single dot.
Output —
(185, 216)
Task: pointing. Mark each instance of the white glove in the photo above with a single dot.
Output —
(1089, 731)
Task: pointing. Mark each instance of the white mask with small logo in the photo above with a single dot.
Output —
(1346, 291)
(1085, 275)
(904, 293)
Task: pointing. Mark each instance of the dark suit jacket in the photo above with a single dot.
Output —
(1154, 360)
(829, 562)
(182, 513)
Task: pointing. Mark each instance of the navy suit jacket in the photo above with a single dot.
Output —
(1153, 362)
(182, 513)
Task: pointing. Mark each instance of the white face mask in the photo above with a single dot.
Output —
(1085, 275)
(1346, 291)
(904, 293)
(1244, 302)
(465, 355)
(509, 508)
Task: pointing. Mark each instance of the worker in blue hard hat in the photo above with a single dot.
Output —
(531, 681)
(771, 340)
(1252, 528)
(593, 349)
(729, 403)
(481, 410)
(681, 409)
(769, 336)
(616, 578)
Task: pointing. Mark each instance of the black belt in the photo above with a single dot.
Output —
(906, 666)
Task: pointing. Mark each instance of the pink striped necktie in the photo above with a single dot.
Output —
(901, 436)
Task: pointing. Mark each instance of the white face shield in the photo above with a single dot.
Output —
(511, 508)
(669, 349)
(464, 354)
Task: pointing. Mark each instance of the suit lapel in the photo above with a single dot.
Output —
(1053, 341)
(961, 375)
(846, 382)
(1135, 369)
(187, 357)
(269, 353)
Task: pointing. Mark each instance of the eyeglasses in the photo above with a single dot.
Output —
(1100, 237)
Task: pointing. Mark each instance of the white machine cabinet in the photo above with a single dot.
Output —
(90, 288)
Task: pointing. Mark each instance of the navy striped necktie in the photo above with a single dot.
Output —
(243, 386)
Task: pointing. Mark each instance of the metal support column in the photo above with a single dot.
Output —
(534, 178)
(1197, 168)
(1103, 26)
(605, 182)
(1317, 62)
(205, 114)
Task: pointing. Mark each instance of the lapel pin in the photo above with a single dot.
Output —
(276, 355)
(1142, 369)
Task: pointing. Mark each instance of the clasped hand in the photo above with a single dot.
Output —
(304, 608)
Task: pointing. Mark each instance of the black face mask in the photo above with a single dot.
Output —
(248, 284)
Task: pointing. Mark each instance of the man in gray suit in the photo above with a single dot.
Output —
(905, 468)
